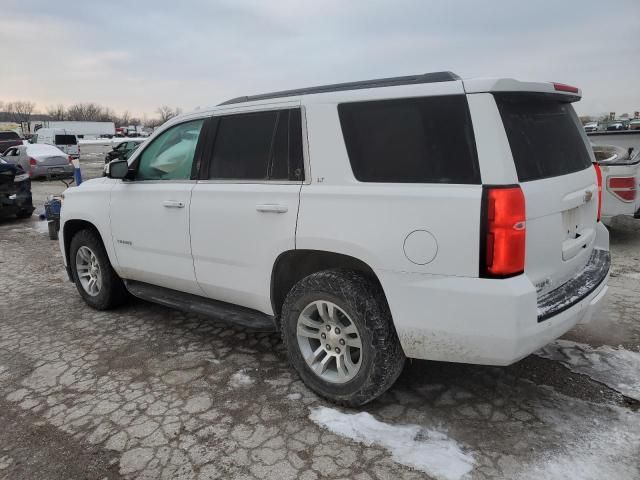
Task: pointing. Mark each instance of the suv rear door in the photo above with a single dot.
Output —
(68, 143)
(245, 207)
(553, 163)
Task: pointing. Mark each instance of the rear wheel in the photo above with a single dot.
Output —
(339, 336)
(95, 279)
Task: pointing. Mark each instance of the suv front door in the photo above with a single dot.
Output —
(150, 213)
(245, 208)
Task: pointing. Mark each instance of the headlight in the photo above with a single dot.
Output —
(21, 177)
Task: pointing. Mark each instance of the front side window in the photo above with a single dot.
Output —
(170, 156)
(411, 140)
(258, 146)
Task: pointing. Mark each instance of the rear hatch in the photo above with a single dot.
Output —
(53, 160)
(554, 166)
(68, 144)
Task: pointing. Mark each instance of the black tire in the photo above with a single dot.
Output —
(363, 300)
(113, 292)
(53, 230)
(24, 213)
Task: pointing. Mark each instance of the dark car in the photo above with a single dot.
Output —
(616, 125)
(9, 139)
(15, 191)
(122, 149)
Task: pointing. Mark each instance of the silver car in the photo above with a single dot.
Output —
(40, 160)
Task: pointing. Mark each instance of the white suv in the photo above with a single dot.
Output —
(422, 217)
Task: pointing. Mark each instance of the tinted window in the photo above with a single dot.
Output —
(66, 140)
(170, 155)
(9, 136)
(417, 140)
(258, 146)
(545, 136)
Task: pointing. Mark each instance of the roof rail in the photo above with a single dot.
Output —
(337, 87)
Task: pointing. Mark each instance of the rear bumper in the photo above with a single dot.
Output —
(46, 171)
(485, 321)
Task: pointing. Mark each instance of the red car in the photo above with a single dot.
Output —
(9, 139)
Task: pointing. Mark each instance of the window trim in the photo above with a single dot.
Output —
(203, 173)
(135, 160)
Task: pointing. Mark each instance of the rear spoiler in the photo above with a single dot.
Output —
(566, 93)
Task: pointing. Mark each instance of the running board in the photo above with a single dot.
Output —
(186, 302)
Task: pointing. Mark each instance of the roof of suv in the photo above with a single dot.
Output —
(432, 77)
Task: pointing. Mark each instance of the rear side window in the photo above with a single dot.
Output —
(544, 134)
(258, 146)
(9, 136)
(415, 140)
(66, 140)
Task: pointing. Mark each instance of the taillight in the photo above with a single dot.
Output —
(622, 187)
(561, 87)
(599, 177)
(503, 232)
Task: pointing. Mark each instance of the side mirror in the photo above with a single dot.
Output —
(117, 169)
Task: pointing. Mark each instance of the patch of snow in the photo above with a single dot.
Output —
(634, 275)
(426, 450)
(240, 379)
(616, 368)
(294, 396)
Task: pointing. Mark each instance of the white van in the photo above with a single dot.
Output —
(59, 137)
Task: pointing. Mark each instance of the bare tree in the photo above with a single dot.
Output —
(56, 112)
(20, 111)
(85, 111)
(166, 113)
(123, 119)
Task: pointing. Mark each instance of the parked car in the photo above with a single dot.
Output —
(9, 139)
(620, 170)
(40, 160)
(634, 124)
(422, 217)
(591, 127)
(616, 126)
(121, 149)
(60, 138)
(15, 191)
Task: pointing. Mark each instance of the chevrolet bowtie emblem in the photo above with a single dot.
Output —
(588, 195)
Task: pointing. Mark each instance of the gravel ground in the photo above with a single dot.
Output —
(151, 393)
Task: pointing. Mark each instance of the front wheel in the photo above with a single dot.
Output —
(95, 279)
(340, 337)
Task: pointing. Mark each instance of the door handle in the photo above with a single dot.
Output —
(172, 204)
(272, 207)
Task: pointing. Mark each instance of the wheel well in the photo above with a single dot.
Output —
(293, 265)
(71, 227)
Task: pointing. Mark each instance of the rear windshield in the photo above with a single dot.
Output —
(66, 140)
(411, 140)
(544, 134)
(9, 136)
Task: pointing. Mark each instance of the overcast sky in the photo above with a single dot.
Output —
(137, 55)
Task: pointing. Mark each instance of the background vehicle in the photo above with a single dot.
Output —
(620, 169)
(60, 138)
(591, 127)
(336, 215)
(40, 160)
(9, 139)
(122, 149)
(616, 125)
(634, 124)
(81, 129)
(15, 191)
